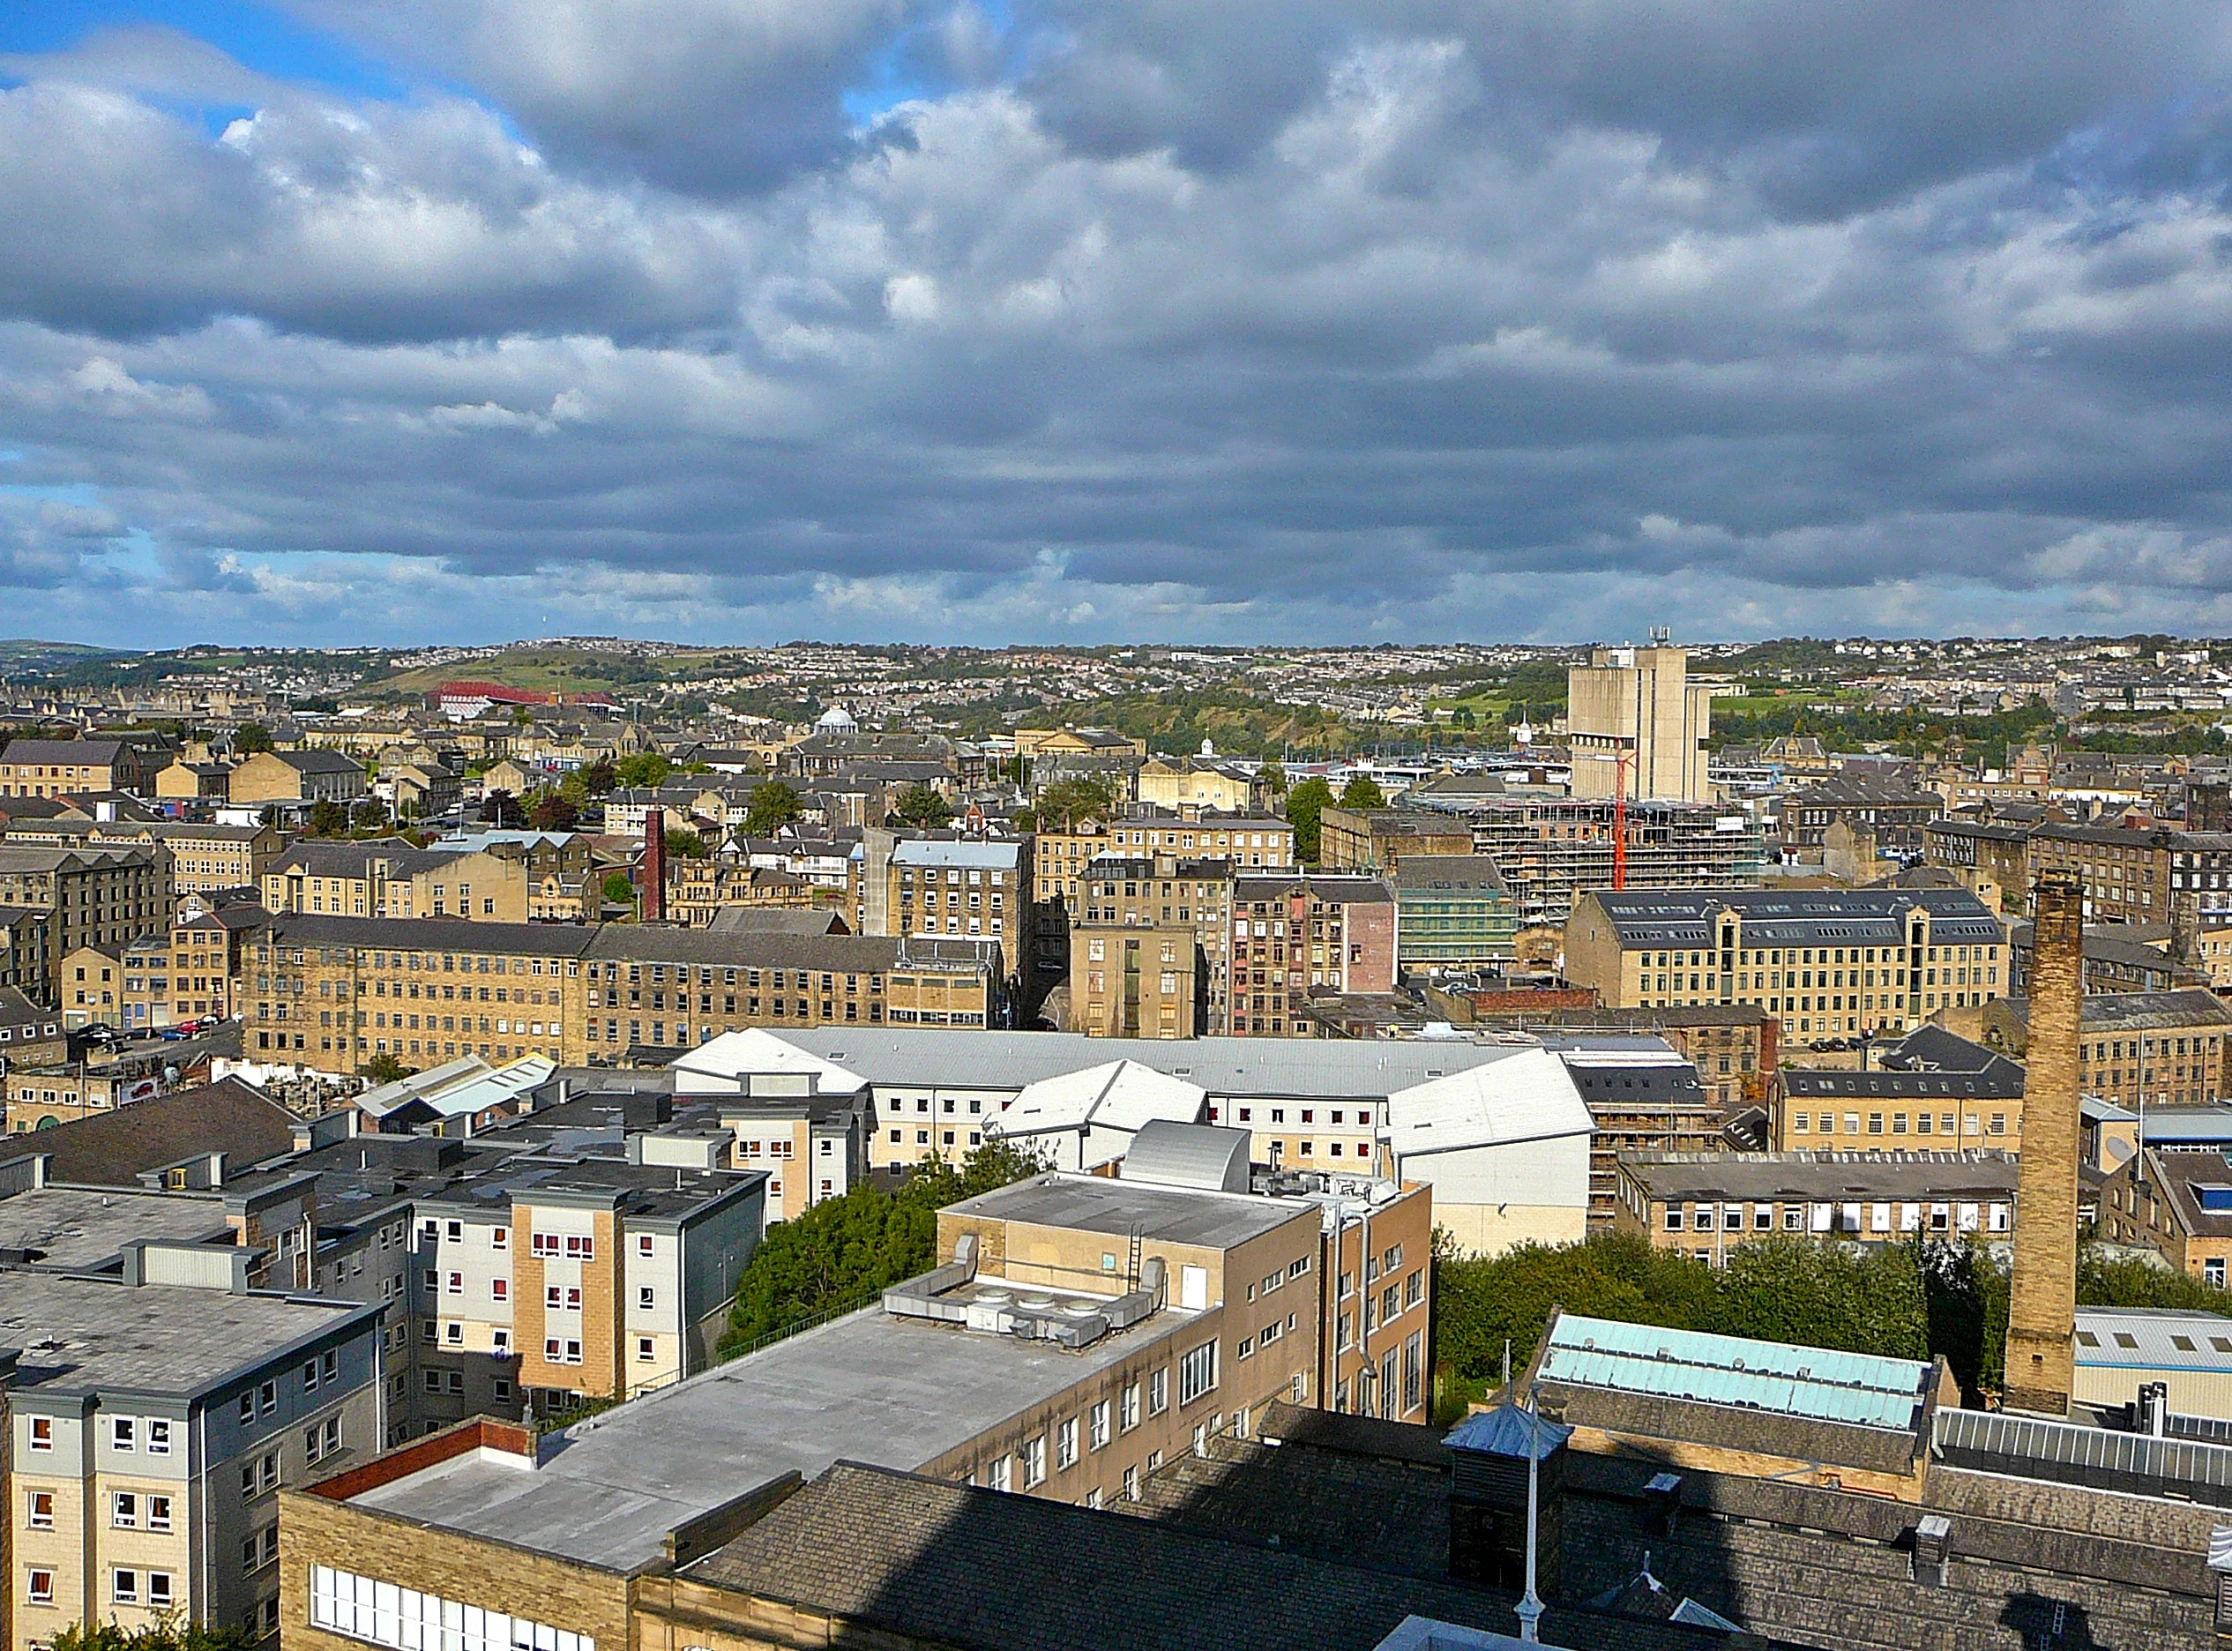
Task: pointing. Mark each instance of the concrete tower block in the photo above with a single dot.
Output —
(2042, 1308)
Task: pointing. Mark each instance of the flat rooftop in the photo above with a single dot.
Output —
(892, 1392)
(83, 1228)
(79, 1335)
(1097, 1204)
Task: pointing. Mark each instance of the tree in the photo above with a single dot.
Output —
(171, 1631)
(328, 818)
(921, 805)
(383, 1068)
(552, 811)
(618, 890)
(843, 1251)
(1362, 791)
(685, 844)
(592, 780)
(774, 804)
(521, 717)
(368, 815)
(1303, 806)
(1274, 777)
(252, 737)
(641, 770)
(501, 809)
(1061, 805)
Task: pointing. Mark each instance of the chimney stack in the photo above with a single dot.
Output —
(2042, 1306)
(654, 865)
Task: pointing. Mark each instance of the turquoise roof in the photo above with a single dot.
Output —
(1860, 1389)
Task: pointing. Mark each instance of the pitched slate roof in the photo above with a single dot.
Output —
(981, 1571)
(114, 1149)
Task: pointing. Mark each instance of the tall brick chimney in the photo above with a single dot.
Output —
(2042, 1308)
(654, 865)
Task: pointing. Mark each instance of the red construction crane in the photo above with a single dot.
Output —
(1619, 822)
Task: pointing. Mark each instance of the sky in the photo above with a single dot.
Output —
(989, 321)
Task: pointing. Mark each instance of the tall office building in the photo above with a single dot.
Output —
(1640, 703)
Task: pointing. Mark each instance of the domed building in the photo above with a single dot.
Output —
(836, 720)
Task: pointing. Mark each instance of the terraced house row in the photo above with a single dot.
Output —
(331, 993)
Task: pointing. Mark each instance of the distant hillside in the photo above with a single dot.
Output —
(544, 670)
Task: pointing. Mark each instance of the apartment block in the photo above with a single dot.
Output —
(296, 777)
(94, 897)
(329, 993)
(1892, 814)
(948, 887)
(1982, 850)
(1076, 1333)
(1934, 1094)
(61, 768)
(2139, 874)
(1318, 930)
(1059, 858)
(1825, 962)
(1453, 913)
(188, 971)
(389, 878)
(152, 1419)
(2154, 1049)
(1134, 982)
(204, 857)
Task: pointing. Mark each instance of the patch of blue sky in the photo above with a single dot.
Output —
(260, 37)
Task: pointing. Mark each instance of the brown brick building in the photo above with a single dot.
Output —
(331, 992)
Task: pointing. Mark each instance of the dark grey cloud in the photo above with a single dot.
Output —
(699, 95)
(1306, 322)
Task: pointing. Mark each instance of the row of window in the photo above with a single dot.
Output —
(129, 1510)
(1925, 1123)
(380, 1613)
(128, 1585)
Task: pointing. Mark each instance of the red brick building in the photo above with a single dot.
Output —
(1292, 932)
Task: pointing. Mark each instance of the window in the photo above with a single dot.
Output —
(39, 1587)
(1197, 1372)
(643, 1244)
(646, 1297)
(124, 1586)
(158, 1437)
(406, 1620)
(1098, 1436)
(318, 1442)
(1128, 1407)
(42, 1433)
(998, 1475)
(1131, 1484)
(159, 1513)
(39, 1510)
(644, 1353)
(1158, 1392)
(1065, 1444)
(267, 1396)
(124, 1510)
(159, 1590)
(1034, 1461)
(123, 1432)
